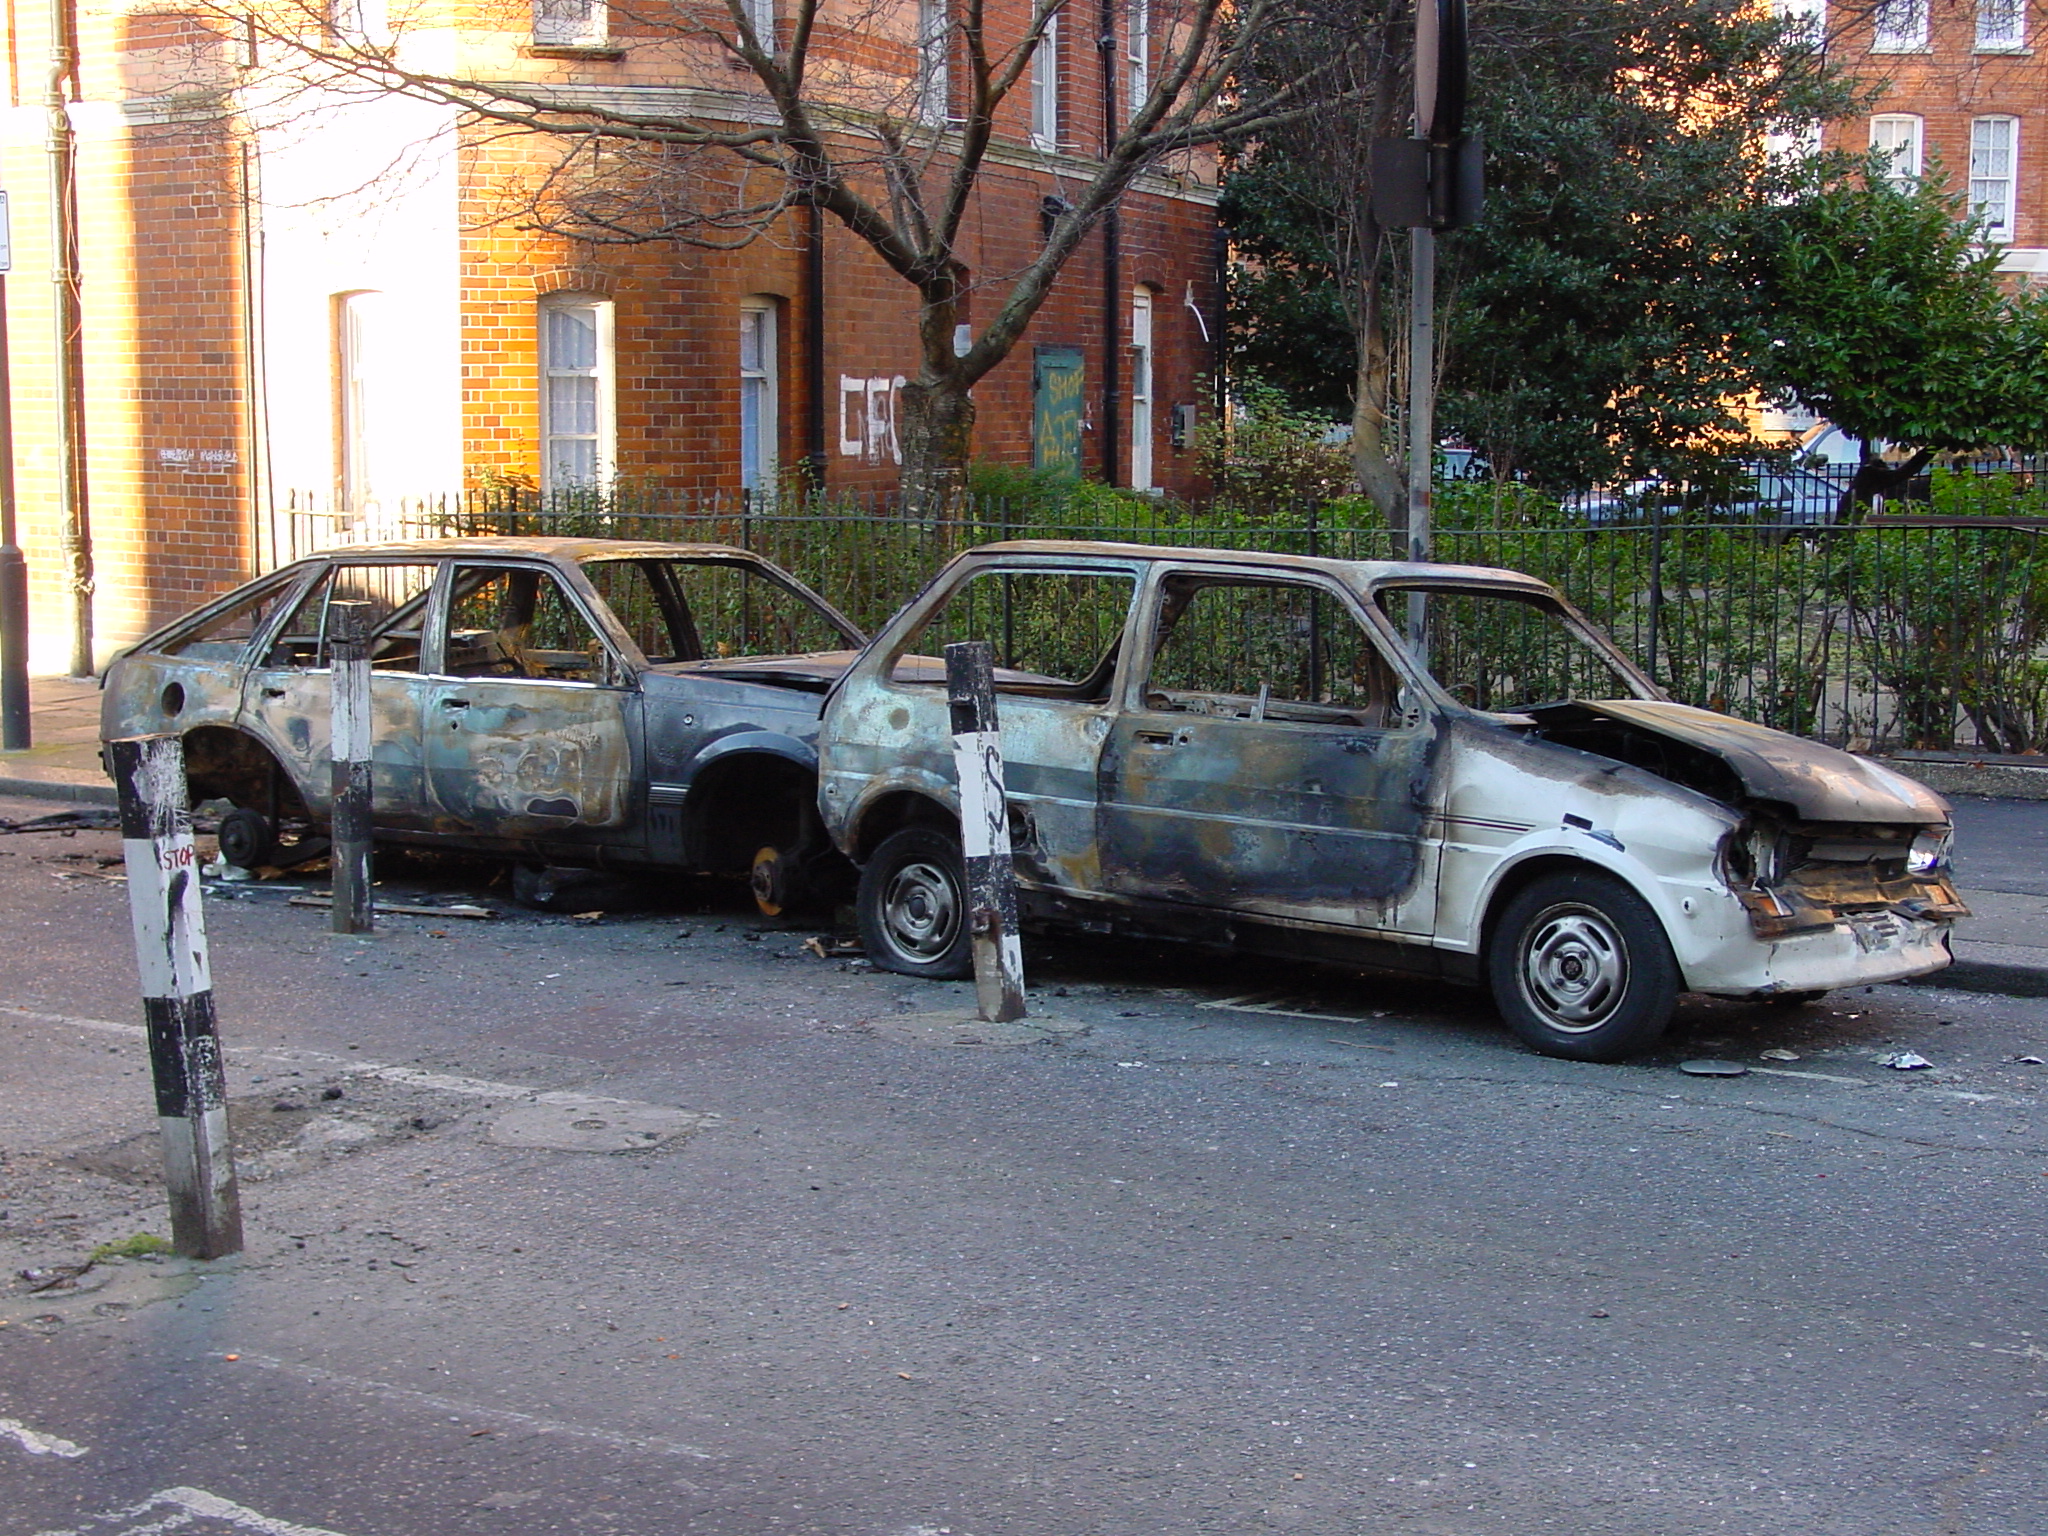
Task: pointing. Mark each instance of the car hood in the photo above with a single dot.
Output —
(812, 673)
(1820, 783)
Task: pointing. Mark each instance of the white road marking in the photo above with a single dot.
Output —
(412, 1077)
(36, 1443)
(174, 1508)
(448, 1405)
(1818, 1077)
(1250, 1003)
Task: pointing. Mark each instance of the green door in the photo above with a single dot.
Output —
(1056, 409)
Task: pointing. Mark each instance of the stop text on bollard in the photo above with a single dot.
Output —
(985, 831)
(177, 995)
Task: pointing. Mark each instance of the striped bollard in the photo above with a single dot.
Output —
(985, 831)
(177, 995)
(348, 745)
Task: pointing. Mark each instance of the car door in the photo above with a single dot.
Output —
(1058, 630)
(287, 696)
(1262, 765)
(532, 727)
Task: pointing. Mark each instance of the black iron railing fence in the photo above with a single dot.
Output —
(1879, 634)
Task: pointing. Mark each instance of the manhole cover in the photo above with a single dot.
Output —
(594, 1127)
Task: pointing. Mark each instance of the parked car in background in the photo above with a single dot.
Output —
(1240, 749)
(558, 701)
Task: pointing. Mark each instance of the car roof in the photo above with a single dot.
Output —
(547, 546)
(1366, 573)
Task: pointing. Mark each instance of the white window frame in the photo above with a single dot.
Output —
(2001, 26)
(1143, 389)
(1138, 54)
(761, 17)
(759, 460)
(934, 46)
(1993, 191)
(1907, 136)
(362, 23)
(603, 371)
(1899, 26)
(569, 23)
(1045, 88)
(357, 332)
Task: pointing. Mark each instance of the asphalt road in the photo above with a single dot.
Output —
(2002, 845)
(1234, 1248)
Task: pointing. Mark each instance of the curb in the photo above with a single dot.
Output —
(73, 792)
(2002, 979)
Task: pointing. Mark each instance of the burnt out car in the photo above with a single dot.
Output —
(1243, 749)
(580, 702)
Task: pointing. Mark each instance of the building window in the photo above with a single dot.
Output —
(761, 17)
(1045, 88)
(757, 396)
(568, 23)
(576, 391)
(934, 38)
(1141, 390)
(2001, 26)
(1897, 136)
(356, 334)
(1899, 26)
(361, 23)
(1138, 52)
(1994, 158)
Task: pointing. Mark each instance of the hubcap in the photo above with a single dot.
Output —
(1574, 968)
(921, 911)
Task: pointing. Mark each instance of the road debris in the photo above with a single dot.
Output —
(460, 909)
(1710, 1068)
(2030, 1061)
(1779, 1053)
(1905, 1061)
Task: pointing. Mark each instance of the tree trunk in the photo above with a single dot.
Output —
(935, 427)
(1372, 461)
(1875, 478)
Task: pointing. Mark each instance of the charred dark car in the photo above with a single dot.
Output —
(1250, 750)
(581, 702)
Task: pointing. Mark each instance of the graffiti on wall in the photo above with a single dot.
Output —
(867, 418)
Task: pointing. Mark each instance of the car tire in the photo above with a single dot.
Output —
(1580, 968)
(247, 838)
(913, 905)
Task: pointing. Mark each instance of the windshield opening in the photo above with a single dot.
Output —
(1509, 652)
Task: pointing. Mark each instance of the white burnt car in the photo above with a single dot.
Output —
(559, 701)
(1240, 749)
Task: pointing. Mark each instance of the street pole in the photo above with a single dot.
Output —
(74, 527)
(348, 746)
(985, 831)
(15, 732)
(1421, 418)
(177, 995)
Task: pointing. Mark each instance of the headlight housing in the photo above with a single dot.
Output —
(1930, 850)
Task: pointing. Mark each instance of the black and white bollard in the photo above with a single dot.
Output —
(348, 661)
(985, 831)
(177, 995)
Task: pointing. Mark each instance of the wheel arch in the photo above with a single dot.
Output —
(748, 797)
(1518, 877)
(224, 763)
(893, 810)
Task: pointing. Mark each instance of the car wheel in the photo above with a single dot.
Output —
(912, 905)
(1580, 968)
(774, 882)
(247, 839)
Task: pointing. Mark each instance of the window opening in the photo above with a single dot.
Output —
(1045, 87)
(1056, 633)
(1993, 158)
(575, 337)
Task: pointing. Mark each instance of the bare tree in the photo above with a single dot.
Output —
(882, 116)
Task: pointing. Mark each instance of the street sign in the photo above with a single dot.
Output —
(1435, 179)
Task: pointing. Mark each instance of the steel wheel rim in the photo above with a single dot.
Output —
(921, 911)
(1574, 968)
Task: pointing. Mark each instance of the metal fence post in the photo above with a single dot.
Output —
(177, 995)
(348, 660)
(985, 831)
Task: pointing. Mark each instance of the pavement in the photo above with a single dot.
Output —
(2001, 844)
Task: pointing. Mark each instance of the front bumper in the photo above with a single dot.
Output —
(1861, 949)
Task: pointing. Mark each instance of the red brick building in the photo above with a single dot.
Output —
(313, 301)
(1965, 97)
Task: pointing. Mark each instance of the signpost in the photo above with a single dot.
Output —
(14, 711)
(1430, 181)
(985, 831)
(348, 748)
